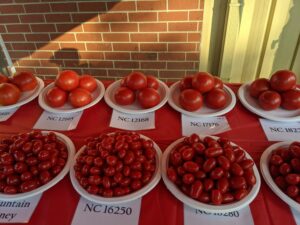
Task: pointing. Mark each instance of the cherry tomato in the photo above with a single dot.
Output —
(283, 80)
(259, 86)
(216, 197)
(148, 98)
(269, 100)
(88, 83)
(216, 98)
(292, 191)
(152, 82)
(203, 82)
(190, 100)
(218, 83)
(3, 78)
(186, 83)
(136, 81)
(9, 94)
(240, 194)
(67, 80)
(191, 166)
(124, 96)
(291, 99)
(25, 81)
(56, 97)
(80, 97)
(196, 189)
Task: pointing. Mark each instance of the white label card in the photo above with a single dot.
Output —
(145, 121)
(5, 115)
(54, 121)
(196, 217)
(209, 125)
(18, 211)
(92, 213)
(280, 131)
(296, 215)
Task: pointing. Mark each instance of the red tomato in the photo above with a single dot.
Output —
(56, 97)
(88, 82)
(291, 99)
(3, 78)
(186, 83)
(148, 98)
(9, 94)
(136, 81)
(269, 100)
(283, 80)
(80, 97)
(152, 82)
(216, 98)
(190, 100)
(124, 96)
(218, 82)
(123, 82)
(25, 81)
(203, 82)
(259, 86)
(67, 80)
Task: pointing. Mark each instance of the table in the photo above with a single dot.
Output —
(159, 207)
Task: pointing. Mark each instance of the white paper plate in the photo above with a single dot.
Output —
(126, 198)
(67, 107)
(252, 105)
(55, 180)
(134, 108)
(199, 205)
(264, 167)
(26, 96)
(204, 111)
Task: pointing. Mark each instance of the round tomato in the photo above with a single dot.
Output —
(190, 99)
(216, 98)
(258, 86)
(148, 98)
(3, 79)
(87, 82)
(152, 82)
(9, 94)
(203, 82)
(136, 81)
(218, 82)
(269, 100)
(80, 97)
(291, 99)
(124, 96)
(186, 83)
(56, 97)
(25, 81)
(67, 80)
(123, 82)
(283, 80)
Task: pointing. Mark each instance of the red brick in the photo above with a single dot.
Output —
(118, 73)
(182, 47)
(85, 17)
(37, 37)
(77, 70)
(172, 37)
(32, 18)
(7, 1)
(11, 9)
(66, 54)
(88, 37)
(47, 46)
(172, 74)
(74, 45)
(151, 5)
(186, 4)
(143, 16)
(95, 72)
(8, 46)
(183, 26)
(201, 4)
(192, 56)
(41, 55)
(25, 69)
(2, 29)
(199, 26)
(125, 47)
(127, 64)
(76, 63)
(24, 62)
(63, 7)
(113, 17)
(23, 46)
(153, 47)
(171, 56)
(47, 71)
(194, 37)
(124, 27)
(18, 28)
(24, 1)
(13, 37)
(96, 27)
(101, 64)
(172, 16)
(153, 65)
(121, 6)
(39, 28)
(180, 65)
(52, 63)
(152, 27)
(91, 6)
(143, 56)
(72, 27)
(152, 72)
(196, 15)
(9, 19)
(117, 55)
(91, 55)
(116, 37)
(98, 46)
(55, 17)
(18, 54)
(143, 37)
(37, 8)
(62, 37)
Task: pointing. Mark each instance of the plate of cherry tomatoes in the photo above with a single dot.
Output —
(136, 94)
(210, 173)
(33, 162)
(117, 167)
(201, 95)
(18, 90)
(71, 93)
(280, 168)
(276, 98)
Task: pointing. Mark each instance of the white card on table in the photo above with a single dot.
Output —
(92, 213)
(5, 115)
(296, 215)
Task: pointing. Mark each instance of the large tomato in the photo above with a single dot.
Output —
(148, 98)
(186, 83)
(258, 86)
(80, 97)
(203, 82)
(218, 82)
(25, 81)
(136, 81)
(56, 97)
(3, 79)
(9, 94)
(291, 99)
(190, 99)
(88, 82)
(124, 96)
(269, 100)
(216, 98)
(283, 80)
(152, 82)
(67, 80)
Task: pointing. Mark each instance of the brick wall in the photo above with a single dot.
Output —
(106, 39)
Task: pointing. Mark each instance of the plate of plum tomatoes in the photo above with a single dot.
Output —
(71, 93)
(136, 94)
(18, 90)
(201, 95)
(276, 98)
(280, 168)
(210, 173)
(33, 162)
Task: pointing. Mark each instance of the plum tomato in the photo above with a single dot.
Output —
(87, 82)
(186, 83)
(216, 98)
(124, 96)
(190, 99)
(148, 98)
(3, 78)
(290, 100)
(25, 81)
(56, 97)
(152, 82)
(80, 97)
(9, 94)
(136, 81)
(283, 80)
(258, 86)
(218, 82)
(203, 82)
(269, 100)
(67, 80)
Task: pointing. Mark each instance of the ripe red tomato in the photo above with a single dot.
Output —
(136, 81)
(56, 97)
(25, 81)
(258, 86)
(124, 96)
(190, 99)
(88, 82)
(152, 82)
(216, 98)
(291, 99)
(80, 97)
(148, 98)
(203, 82)
(283, 80)
(9, 94)
(186, 83)
(269, 100)
(3, 78)
(67, 80)
(218, 82)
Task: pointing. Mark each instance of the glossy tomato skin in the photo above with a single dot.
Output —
(80, 97)
(203, 82)
(152, 82)
(3, 79)
(269, 100)
(148, 98)
(88, 83)
(124, 96)
(9, 94)
(136, 81)
(190, 100)
(56, 97)
(186, 83)
(291, 99)
(67, 80)
(25, 81)
(218, 82)
(216, 98)
(259, 86)
(283, 80)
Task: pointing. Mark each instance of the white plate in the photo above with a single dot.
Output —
(126, 198)
(67, 107)
(199, 205)
(204, 111)
(252, 105)
(26, 96)
(55, 180)
(264, 167)
(134, 108)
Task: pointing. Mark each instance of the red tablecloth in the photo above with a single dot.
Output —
(160, 207)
